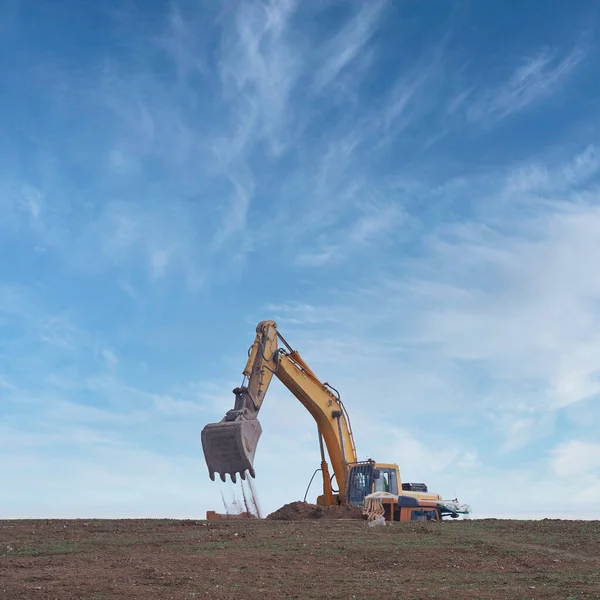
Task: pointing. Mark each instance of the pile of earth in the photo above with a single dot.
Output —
(297, 511)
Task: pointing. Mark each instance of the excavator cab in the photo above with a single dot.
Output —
(367, 477)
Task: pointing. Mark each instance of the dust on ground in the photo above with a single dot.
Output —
(296, 511)
(300, 559)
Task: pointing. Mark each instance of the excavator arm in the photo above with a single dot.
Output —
(229, 445)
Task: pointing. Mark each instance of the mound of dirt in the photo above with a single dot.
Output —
(297, 511)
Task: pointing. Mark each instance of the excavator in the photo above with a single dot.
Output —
(229, 446)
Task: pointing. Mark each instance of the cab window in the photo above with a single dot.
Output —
(359, 486)
(386, 482)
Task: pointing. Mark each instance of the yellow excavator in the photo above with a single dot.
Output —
(229, 446)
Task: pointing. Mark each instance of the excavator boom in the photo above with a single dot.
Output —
(229, 445)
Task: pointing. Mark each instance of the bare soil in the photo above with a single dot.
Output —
(307, 558)
(298, 511)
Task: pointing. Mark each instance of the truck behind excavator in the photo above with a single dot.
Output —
(229, 446)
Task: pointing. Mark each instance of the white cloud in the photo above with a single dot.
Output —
(425, 457)
(79, 454)
(522, 426)
(554, 182)
(235, 216)
(452, 467)
(84, 484)
(576, 458)
(7, 385)
(60, 416)
(484, 328)
(536, 77)
(159, 261)
(110, 358)
(527, 493)
(160, 238)
(322, 257)
(459, 100)
(59, 331)
(300, 314)
(184, 43)
(175, 407)
(14, 300)
(31, 201)
(349, 42)
(492, 320)
(524, 305)
(374, 225)
(123, 162)
(128, 288)
(408, 99)
(258, 69)
(582, 166)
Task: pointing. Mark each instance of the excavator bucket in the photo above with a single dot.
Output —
(229, 447)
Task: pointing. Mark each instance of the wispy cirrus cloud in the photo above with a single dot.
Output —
(527, 306)
(558, 181)
(516, 304)
(533, 79)
(50, 338)
(301, 314)
(82, 415)
(349, 42)
(329, 166)
(373, 224)
(258, 68)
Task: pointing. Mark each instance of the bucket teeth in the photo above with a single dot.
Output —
(233, 476)
(229, 448)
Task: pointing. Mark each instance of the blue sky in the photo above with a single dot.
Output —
(410, 189)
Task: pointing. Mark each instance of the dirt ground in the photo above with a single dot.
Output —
(314, 558)
(296, 511)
